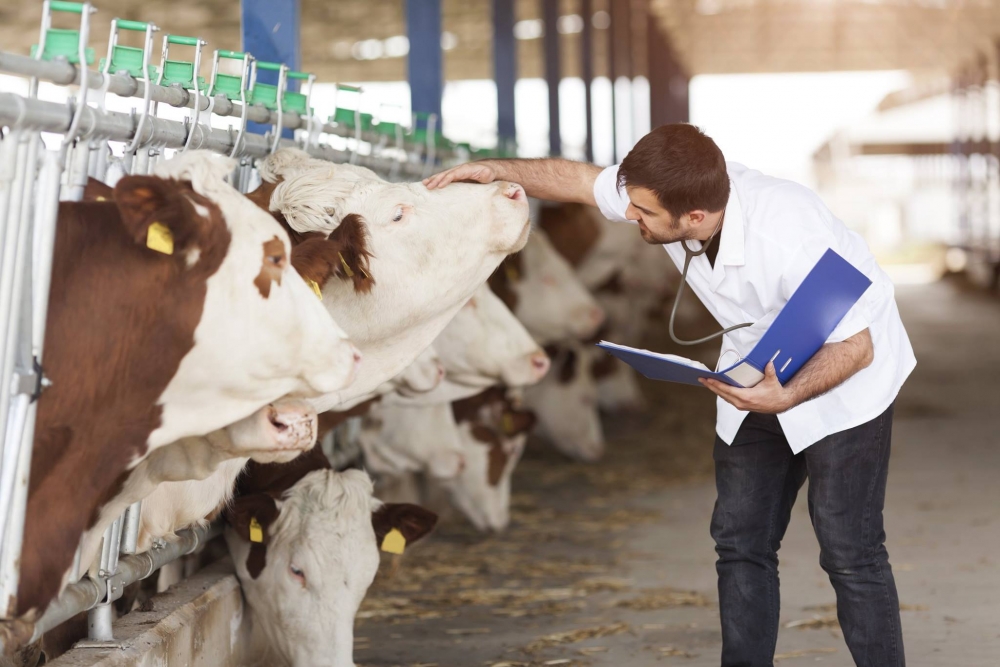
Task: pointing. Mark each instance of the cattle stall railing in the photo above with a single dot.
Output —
(35, 176)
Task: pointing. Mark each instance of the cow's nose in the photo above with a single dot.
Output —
(540, 363)
(514, 192)
(596, 315)
(440, 372)
(357, 355)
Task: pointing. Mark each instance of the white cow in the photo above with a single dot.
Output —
(414, 256)
(566, 403)
(320, 554)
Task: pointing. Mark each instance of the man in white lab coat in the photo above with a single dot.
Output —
(832, 422)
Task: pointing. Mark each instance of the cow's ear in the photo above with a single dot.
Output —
(316, 260)
(250, 517)
(158, 213)
(350, 241)
(95, 190)
(412, 521)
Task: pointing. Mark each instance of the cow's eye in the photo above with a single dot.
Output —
(277, 260)
(298, 574)
(398, 215)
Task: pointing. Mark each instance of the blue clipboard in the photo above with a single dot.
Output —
(802, 327)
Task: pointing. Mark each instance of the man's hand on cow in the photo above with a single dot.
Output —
(477, 172)
(767, 397)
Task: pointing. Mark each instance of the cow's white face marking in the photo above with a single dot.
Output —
(321, 559)
(485, 344)
(551, 301)
(398, 439)
(249, 350)
(567, 411)
(486, 505)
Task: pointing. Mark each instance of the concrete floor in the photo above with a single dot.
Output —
(942, 519)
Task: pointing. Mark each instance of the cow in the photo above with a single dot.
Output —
(398, 439)
(414, 258)
(305, 542)
(539, 286)
(493, 433)
(566, 402)
(173, 312)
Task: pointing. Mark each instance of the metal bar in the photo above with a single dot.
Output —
(424, 61)
(587, 72)
(53, 117)
(504, 71)
(130, 533)
(87, 593)
(550, 14)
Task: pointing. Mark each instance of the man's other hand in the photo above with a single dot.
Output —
(477, 172)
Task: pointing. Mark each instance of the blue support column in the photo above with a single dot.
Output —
(550, 14)
(504, 71)
(424, 62)
(270, 31)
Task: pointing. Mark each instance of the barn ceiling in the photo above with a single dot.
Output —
(364, 40)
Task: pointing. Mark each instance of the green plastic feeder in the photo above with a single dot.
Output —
(61, 43)
(293, 100)
(181, 72)
(386, 128)
(228, 84)
(265, 94)
(343, 117)
(127, 59)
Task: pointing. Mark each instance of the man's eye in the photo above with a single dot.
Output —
(398, 215)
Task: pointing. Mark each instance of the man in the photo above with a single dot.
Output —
(832, 422)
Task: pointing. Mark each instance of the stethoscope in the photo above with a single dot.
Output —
(688, 256)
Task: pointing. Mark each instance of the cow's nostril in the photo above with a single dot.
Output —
(514, 192)
(540, 362)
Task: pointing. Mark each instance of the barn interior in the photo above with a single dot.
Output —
(888, 109)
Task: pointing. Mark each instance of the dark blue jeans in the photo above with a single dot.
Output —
(758, 478)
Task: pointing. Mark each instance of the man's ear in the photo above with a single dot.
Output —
(413, 521)
(696, 218)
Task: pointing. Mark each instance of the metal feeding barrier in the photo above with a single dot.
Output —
(35, 178)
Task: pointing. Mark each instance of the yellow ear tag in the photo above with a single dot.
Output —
(512, 273)
(394, 542)
(256, 532)
(159, 238)
(347, 269)
(315, 288)
(508, 423)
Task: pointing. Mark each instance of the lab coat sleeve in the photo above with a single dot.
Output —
(612, 201)
(802, 261)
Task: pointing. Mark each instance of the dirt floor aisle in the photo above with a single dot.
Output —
(613, 565)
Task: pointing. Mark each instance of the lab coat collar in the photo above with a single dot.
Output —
(731, 246)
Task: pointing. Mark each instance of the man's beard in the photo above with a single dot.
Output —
(674, 234)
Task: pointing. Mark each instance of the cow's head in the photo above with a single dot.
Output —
(485, 344)
(263, 332)
(566, 403)
(493, 433)
(321, 551)
(541, 289)
(399, 439)
(418, 255)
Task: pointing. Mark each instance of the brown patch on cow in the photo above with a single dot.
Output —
(350, 239)
(413, 521)
(604, 366)
(467, 409)
(571, 229)
(498, 457)
(566, 360)
(505, 277)
(121, 317)
(271, 266)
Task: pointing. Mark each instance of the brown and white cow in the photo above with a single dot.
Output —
(173, 313)
(493, 433)
(305, 543)
(415, 257)
(399, 439)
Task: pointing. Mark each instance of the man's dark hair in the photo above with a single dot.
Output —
(682, 166)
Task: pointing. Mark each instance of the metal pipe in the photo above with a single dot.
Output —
(130, 534)
(53, 117)
(87, 592)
